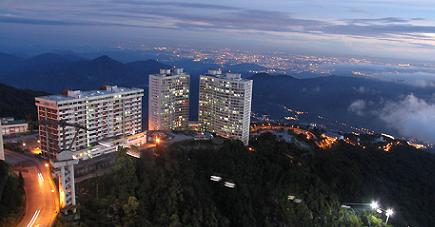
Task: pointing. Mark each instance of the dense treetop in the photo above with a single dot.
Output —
(174, 187)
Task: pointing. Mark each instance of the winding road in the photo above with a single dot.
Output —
(42, 205)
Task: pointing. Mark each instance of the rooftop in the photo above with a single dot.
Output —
(171, 72)
(228, 76)
(11, 121)
(78, 94)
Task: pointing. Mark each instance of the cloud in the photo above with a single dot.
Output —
(200, 16)
(357, 107)
(420, 83)
(262, 21)
(178, 4)
(411, 117)
(360, 89)
(377, 20)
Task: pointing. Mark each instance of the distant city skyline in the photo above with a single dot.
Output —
(383, 28)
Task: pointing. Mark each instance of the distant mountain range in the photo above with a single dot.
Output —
(54, 73)
(327, 99)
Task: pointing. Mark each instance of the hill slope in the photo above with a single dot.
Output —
(174, 188)
(18, 103)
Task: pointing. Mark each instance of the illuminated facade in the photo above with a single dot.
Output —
(168, 100)
(225, 105)
(109, 112)
(2, 151)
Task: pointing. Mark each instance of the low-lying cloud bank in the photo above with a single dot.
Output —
(357, 107)
(411, 117)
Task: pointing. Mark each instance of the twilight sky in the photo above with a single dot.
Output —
(384, 28)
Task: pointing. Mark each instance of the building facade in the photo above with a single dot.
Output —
(225, 105)
(2, 151)
(110, 112)
(168, 100)
(10, 126)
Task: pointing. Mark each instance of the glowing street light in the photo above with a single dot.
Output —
(157, 140)
(374, 205)
(46, 165)
(389, 213)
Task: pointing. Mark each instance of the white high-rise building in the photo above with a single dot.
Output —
(2, 151)
(168, 100)
(106, 113)
(225, 105)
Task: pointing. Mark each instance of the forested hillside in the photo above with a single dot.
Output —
(174, 189)
(11, 196)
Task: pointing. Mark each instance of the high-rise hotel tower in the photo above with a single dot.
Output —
(225, 105)
(168, 100)
(2, 151)
(106, 113)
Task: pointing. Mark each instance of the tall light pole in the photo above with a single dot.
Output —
(374, 205)
(389, 213)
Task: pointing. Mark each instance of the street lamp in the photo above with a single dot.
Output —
(374, 205)
(389, 213)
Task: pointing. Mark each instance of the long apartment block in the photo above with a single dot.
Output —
(109, 112)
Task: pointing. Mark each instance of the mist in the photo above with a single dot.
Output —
(411, 117)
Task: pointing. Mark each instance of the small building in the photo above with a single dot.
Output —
(136, 140)
(110, 145)
(10, 126)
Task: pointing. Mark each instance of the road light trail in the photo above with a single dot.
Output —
(34, 217)
(42, 200)
(40, 178)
